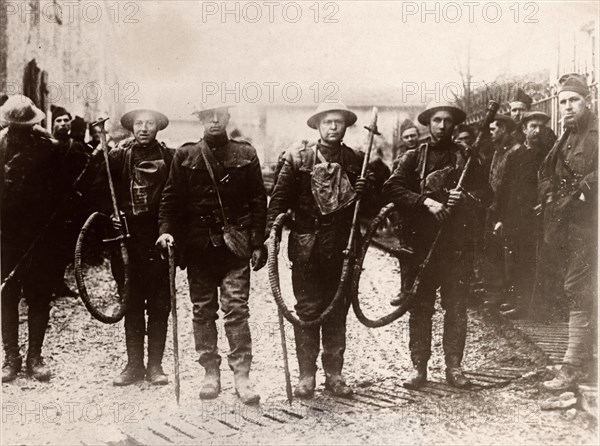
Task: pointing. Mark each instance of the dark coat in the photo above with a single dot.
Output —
(37, 177)
(189, 205)
(293, 191)
(569, 171)
(517, 191)
(443, 165)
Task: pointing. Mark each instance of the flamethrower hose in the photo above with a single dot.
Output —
(273, 269)
(79, 276)
(358, 268)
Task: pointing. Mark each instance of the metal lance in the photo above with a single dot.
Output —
(372, 128)
(173, 291)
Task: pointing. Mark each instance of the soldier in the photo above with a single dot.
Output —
(409, 134)
(519, 104)
(418, 187)
(139, 167)
(77, 155)
(515, 212)
(321, 230)
(32, 213)
(495, 268)
(191, 213)
(568, 189)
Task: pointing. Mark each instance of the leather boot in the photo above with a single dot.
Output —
(240, 360)
(37, 323)
(418, 378)
(565, 379)
(10, 332)
(307, 350)
(211, 385)
(134, 340)
(157, 336)
(454, 373)
(336, 384)
(334, 346)
(244, 388)
(11, 368)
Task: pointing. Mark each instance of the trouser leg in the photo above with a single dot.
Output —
(307, 292)
(203, 294)
(235, 288)
(11, 295)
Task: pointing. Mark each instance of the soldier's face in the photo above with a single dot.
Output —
(497, 131)
(145, 128)
(410, 137)
(464, 138)
(332, 127)
(215, 122)
(516, 111)
(532, 130)
(441, 125)
(572, 106)
(61, 126)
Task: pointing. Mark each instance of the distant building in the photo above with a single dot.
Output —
(61, 54)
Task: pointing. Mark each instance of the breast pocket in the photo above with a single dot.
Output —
(236, 175)
(197, 176)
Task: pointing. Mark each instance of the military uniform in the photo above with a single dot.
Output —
(190, 211)
(495, 270)
(316, 243)
(139, 174)
(568, 187)
(32, 191)
(516, 199)
(451, 266)
(75, 157)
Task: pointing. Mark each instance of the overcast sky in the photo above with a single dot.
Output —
(180, 48)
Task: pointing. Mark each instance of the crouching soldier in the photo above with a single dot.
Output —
(418, 187)
(319, 183)
(139, 167)
(215, 197)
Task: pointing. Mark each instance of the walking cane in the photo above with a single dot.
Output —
(173, 291)
(286, 364)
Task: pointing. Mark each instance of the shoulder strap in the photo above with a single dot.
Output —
(203, 149)
(422, 164)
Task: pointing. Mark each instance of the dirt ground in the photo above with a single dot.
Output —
(80, 405)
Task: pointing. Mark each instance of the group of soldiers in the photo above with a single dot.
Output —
(207, 200)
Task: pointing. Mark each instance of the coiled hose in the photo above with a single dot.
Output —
(79, 276)
(273, 269)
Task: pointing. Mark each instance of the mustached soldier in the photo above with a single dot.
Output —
(213, 183)
(306, 185)
(440, 162)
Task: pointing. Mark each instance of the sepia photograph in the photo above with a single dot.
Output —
(299, 222)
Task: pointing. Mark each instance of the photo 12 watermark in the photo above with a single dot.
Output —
(469, 12)
(270, 12)
(70, 11)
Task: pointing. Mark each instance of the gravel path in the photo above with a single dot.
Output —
(80, 403)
